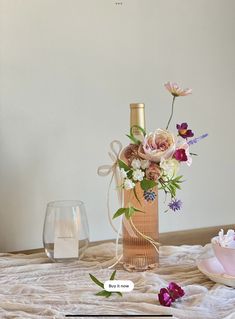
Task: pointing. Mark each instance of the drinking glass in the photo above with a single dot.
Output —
(65, 232)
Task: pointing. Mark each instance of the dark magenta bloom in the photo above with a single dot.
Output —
(183, 130)
(170, 294)
(180, 155)
(165, 298)
(175, 290)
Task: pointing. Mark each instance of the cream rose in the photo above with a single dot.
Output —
(170, 167)
(157, 146)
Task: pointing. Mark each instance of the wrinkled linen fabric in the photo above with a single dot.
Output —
(31, 286)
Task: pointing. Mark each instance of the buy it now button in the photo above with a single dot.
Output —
(119, 285)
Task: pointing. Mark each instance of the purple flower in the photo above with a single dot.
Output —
(170, 294)
(197, 139)
(183, 130)
(149, 195)
(175, 204)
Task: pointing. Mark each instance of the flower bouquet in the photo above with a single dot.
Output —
(150, 163)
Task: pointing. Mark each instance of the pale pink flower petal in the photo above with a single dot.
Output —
(175, 90)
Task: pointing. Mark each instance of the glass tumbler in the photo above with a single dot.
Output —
(65, 232)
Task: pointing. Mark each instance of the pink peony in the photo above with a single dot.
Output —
(157, 146)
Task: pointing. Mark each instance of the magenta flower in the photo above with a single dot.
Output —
(164, 297)
(175, 90)
(183, 130)
(175, 290)
(180, 155)
(170, 294)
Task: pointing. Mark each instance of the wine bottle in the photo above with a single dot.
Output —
(139, 253)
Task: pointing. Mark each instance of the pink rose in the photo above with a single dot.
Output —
(131, 153)
(153, 172)
(157, 146)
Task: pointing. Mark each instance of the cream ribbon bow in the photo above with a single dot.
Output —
(105, 170)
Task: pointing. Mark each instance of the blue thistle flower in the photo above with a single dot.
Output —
(149, 195)
(175, 204)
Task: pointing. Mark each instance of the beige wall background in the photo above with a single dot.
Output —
(70, 68)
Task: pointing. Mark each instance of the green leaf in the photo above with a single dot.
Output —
(130, 212)
(120, 211)
(96, 281)
(123, 165)
(127, 214)
(133, 139)
(129, 174)
(119, 293)
(104, 293)
(138, 210)
(113, 275)
(147, 184)
(177, 186)
(178, 179)
(134, 190)
(108, 294)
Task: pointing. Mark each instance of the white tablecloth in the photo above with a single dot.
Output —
(33, 287)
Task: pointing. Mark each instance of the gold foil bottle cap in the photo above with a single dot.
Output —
(136, 105)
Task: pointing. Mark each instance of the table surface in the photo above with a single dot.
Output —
(31, 286)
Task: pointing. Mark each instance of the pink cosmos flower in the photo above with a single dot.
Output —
(175, 90)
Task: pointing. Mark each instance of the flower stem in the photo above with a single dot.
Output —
(172, 112)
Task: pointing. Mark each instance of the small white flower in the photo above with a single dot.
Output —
(144, 164)
(128, 184)
(136, 163)
(138, 175)
(123, 173)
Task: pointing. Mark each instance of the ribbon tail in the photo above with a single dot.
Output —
(118, 181)
(154, 243)
(118, 258)
(108, 205)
